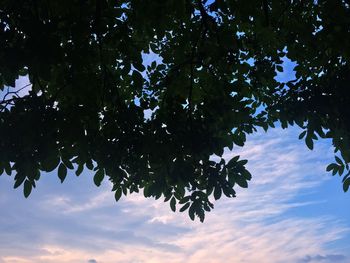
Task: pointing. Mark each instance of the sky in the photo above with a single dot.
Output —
(292, 212)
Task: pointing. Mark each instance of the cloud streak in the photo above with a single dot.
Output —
(326, 258)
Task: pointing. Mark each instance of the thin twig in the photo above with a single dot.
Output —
(5, 101)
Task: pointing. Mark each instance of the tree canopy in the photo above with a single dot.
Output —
(95, 104)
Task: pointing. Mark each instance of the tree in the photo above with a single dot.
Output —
(95, 105)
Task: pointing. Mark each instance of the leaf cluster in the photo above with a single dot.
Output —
(154, 126)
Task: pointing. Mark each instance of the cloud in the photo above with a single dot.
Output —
(70, 223)
(66, 204)
(326, 258)
(92, 261)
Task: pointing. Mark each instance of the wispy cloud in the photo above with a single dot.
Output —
(324, 259)
(257, 226)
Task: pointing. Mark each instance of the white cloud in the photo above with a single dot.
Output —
(67, 205)
(257, 226)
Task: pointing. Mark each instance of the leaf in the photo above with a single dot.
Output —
(241, 181)
(238, 140)
(201, 215)
(206, 207)
(118, 194)
(62, 172)
(335, 170)
(98, 178)
(146, 191)
(180, 191)
(167, 197)
(19, 178)
(89, 165)
(309, 142)
(242, 162)
(338, 160)
(37, 175)
(27, 189)
(228, 191)
(231, 163)
(346, 177)
(302, 135)
(247, 175)
(185, 200)
(191, 211)
(139, 66)
(279, 68)
(217, 192)
(173, 204)
(68, 164)
(124, 189)
(331, 167)
(7, 168)
(79, 169)
(346, 185)
(185, 207)
(50, 163)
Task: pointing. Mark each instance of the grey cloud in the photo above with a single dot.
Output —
(324, 259)
(92, 261)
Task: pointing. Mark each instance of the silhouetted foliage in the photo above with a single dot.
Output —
(94, 103)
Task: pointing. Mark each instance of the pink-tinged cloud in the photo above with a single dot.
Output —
(257, 226)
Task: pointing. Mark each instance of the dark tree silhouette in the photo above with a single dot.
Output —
(95, 104)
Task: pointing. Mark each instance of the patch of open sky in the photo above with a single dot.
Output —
(22, 88)
(150, 57)
(329, 194)
(288, 73)
(326, 199)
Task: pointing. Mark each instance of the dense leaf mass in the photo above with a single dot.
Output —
(144, 93)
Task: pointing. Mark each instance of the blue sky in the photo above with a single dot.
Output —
(293, 211)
